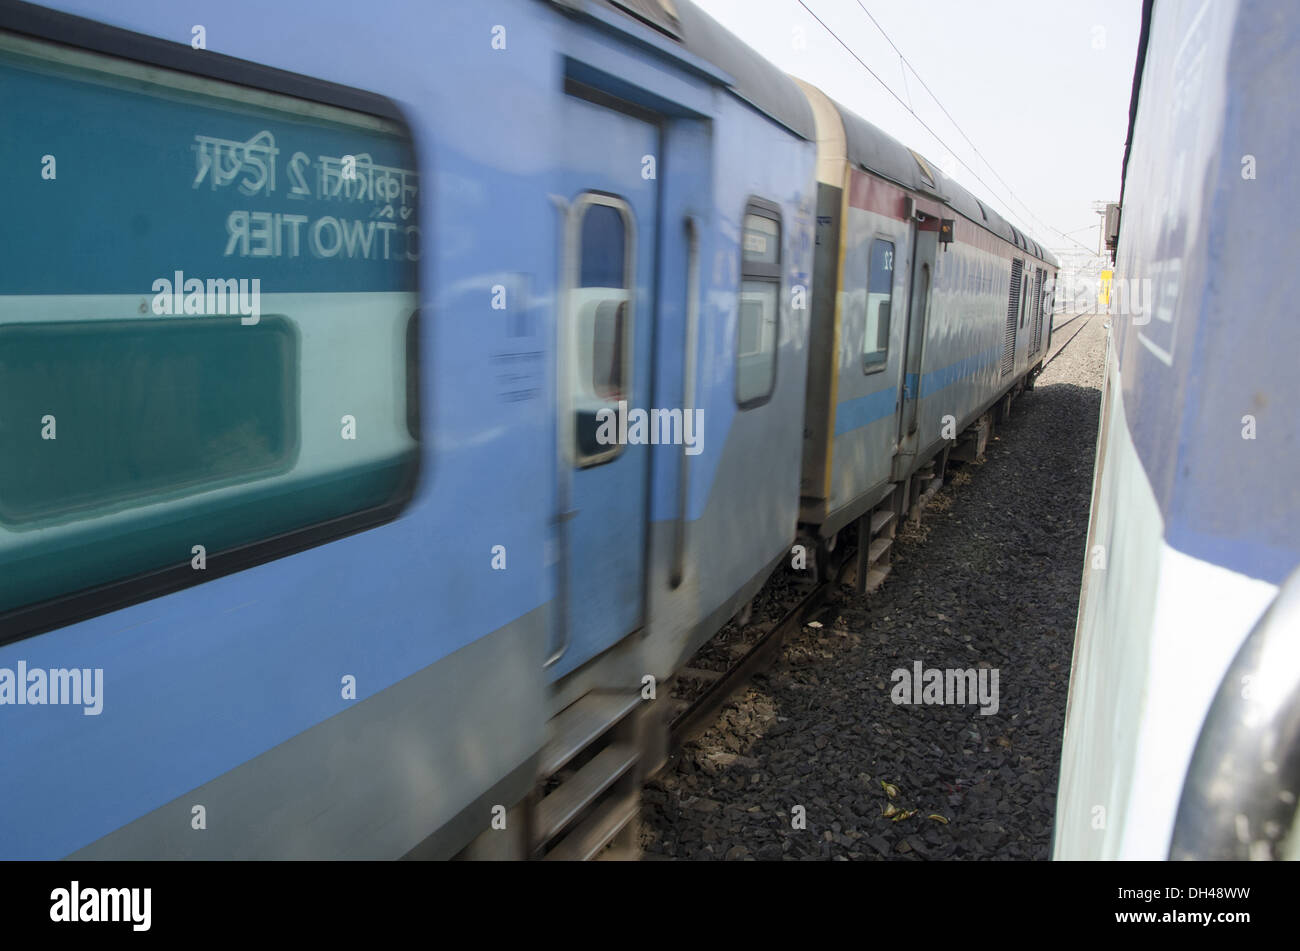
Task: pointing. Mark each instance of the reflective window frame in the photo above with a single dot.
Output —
(576, 355)
(767, 274)
(135, 54)
(875, 360)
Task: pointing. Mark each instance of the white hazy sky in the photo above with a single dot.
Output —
(1041, 87)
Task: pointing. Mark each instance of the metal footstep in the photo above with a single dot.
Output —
(591, 781)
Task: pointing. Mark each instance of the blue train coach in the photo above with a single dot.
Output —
(314, 541)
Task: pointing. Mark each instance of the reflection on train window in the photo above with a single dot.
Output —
(607, 350)
(880, 290)
(176, 370)
(599, 356)
(121, 444)
(759, 307)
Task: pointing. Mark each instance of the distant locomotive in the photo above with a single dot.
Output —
(368, 576)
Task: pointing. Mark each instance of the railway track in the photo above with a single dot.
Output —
(1062, 347)
(696, 709)
(699, 691)
(1067, 321)
(820, 728)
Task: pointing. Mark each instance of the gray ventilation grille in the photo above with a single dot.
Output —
(1013, 313)
(1038, 309)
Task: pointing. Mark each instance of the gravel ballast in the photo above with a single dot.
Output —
(816, 760)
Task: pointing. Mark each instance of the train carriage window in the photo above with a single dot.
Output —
(880, 291)
(760, 306)
(207, 329)
(599, 324)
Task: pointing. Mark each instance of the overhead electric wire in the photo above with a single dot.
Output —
(960, 131)
(925, 125)
(890, 90)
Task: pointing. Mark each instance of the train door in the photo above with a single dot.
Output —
(925, 243)
(603, 375)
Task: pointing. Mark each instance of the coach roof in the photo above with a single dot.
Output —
(765, 87)
(757, 81)
(753, 78)
(881, 154)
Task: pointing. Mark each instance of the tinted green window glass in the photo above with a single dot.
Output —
(207, 321)
(141, 409)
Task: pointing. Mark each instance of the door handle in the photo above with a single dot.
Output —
(692, 226)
